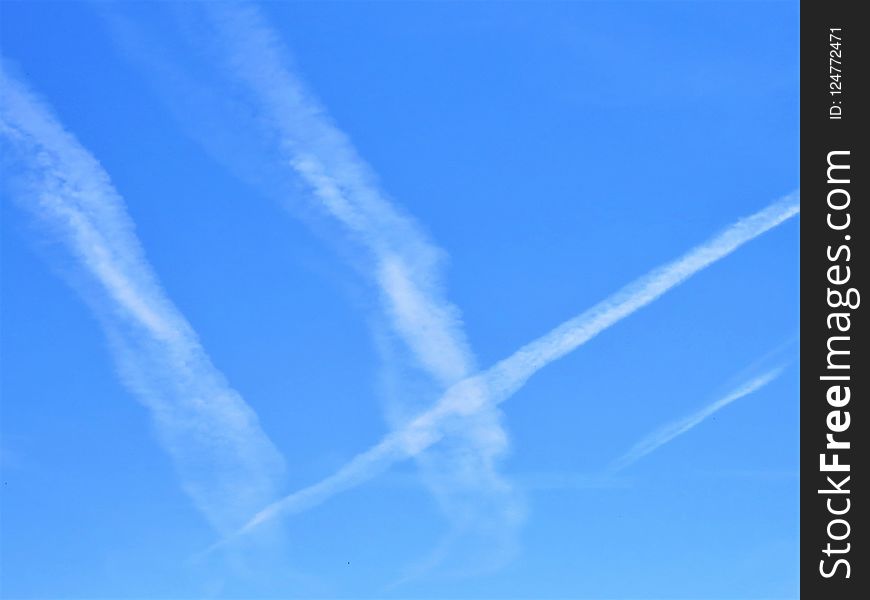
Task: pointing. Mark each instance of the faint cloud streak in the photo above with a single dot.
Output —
(665, 434)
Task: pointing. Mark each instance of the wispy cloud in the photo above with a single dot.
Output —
(498, 383)
(667, 433)
(225, 461)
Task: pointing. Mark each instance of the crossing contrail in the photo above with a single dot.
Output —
(299, 141)
(502, 380)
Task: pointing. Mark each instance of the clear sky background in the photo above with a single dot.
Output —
(554, 152)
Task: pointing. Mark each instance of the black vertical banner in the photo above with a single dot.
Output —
(834, 370)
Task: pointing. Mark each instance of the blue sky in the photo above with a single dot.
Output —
(327, 223)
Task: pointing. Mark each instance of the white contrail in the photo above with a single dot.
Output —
(665, 434)
(511, 373)
(226, 463)
(405, 263)
(503, 379)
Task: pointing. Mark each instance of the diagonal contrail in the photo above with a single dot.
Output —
(665, 434)
(226, 462)
(502, 380)
(405, 264)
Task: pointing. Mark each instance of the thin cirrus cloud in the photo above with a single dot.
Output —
(294, 133)
(501, 381)
(665, 434)
(226, 463)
